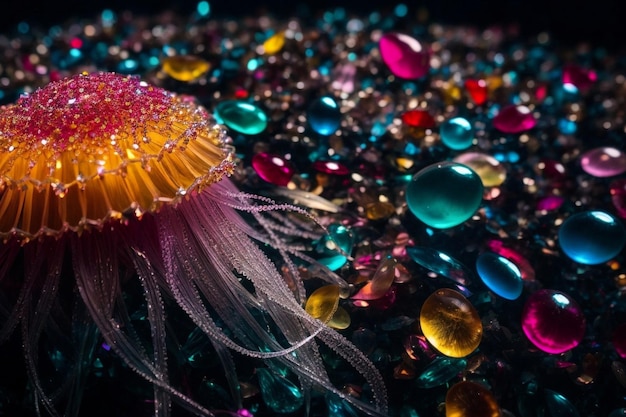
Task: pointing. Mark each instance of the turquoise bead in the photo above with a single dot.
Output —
(500, 275)
(592, 237)
(457, 133)
(244, 117)
(444, 195)
(324, 116)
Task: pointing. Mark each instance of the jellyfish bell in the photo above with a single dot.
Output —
(105, 179)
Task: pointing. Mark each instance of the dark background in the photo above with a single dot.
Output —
(603, 22)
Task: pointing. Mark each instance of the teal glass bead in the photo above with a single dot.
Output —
(592, 237)
(441, 370)
(444, 194)
(500, 275)
(324, 115)
(457, 133)
(241, 116)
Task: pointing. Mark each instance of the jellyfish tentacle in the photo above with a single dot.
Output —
(98, 284)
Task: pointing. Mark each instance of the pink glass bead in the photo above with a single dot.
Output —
(549, 203)
(273, 168)
(579, 77)
(331, 167)
(603, 162)
(619, 340)
(618, 196)
(514, 119)
(405, 56)
(553, 321)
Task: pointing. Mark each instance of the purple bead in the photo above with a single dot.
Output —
(603, 162)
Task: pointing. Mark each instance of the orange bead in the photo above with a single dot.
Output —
(451, 323)
(469, 399)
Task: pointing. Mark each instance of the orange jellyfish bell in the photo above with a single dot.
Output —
(106, 182)
(99, 146)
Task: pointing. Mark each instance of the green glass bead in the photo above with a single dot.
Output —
(244, 117)
(444, 194)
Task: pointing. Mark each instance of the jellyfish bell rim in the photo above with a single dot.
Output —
(153, 158)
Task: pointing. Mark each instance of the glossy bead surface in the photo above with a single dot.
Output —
(514, 119)
(553, 321)
(603, 162)
(491, 172)
(273, 168)
(451, 323)
(470, 399)
(244, 117)
(457, 133)
(405, 56)
(592, 237)
(445, 194)
(324, 115)
(502, 276)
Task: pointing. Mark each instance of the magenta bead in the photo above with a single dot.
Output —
(551, 202)
(331, 167)
(405, 56)
(603, 162)
(273, 168)
(619, 340)
(514, 119)
(579, 77)
(553, 321)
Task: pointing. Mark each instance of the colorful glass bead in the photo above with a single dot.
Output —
(451, 323)
(558, 405)
(324, 115)
(514, 119)
(457, 133)
(441, 370)
(477, 90)
(502, 276)
(405, 56)
(444, 195)
(441, 263)
(603, 162)
(470, 399)
(185, 67)
(331, 167)
(553, 321)
(278, 392)
(323, 302)
(491, 172)
(244, 117)
(592, 237)
(273, 168)
(619, 340)
(579, 77)
(418, 118)
(274, 43)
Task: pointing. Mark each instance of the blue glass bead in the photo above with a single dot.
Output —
(280, 394)
(324, 115)
(502, 276)
(456, 133)
(592, 237)
(441, 370)
(444, 195)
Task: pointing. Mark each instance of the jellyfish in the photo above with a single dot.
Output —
(107, 181)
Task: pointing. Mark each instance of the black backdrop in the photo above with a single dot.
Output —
(602, 22)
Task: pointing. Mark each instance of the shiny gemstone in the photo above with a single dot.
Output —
(336, 246)
(444, 195)
(418, 118)
(470, 399)
(274, 43)
(579, 77)
(441, 263)
(502, 276)
(244, 117)
(278, 392)
(553, 321)
(331, 167)
(405, 56)
(558, 405)
(550, 203)
(603, 162)
(619, 340)
(491, 172)
(323, 302)
(380, 282)
(379, 210)
(451, 323)
(457, 133)
(514, 119)
(592, 237)
(185, 67)
(273, 168)
(441, 370)
(618, 196)
(324, 115)
(477, 90)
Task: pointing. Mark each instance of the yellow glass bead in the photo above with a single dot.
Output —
(379, 210)
(469, 399)
(488, 168)
(323, 302)
(185, 67)
(274, 43)
(451, 323)
(404, 163)
(340, 320)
